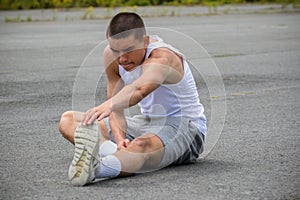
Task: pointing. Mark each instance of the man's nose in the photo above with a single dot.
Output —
(123, 58)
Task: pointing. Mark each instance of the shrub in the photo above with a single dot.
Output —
(32, 4)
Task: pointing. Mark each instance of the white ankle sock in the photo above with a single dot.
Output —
(107, 148)
(110, 166)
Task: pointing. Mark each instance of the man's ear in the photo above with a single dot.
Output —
(146, 41)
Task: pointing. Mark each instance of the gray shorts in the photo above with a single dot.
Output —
(183, 142)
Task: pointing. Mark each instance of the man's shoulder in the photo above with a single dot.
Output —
(160, 53)
(110, 61)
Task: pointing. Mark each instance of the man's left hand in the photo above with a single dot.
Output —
(99, 113)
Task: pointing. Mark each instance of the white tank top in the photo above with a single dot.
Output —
(180, 99)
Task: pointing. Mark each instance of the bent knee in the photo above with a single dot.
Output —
(65, 120)
(142, 143)
(67, 124)
(67, 115)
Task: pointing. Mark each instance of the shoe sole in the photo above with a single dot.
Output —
(87, 142)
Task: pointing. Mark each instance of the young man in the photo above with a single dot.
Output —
(141, 70)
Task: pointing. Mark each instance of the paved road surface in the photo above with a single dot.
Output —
(256, 157)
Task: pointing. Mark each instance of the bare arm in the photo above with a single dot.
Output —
(154, 74)
(117, 119)
(156, 71)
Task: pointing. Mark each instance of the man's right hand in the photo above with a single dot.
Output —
(123, 144)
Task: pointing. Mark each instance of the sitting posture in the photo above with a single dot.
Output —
(170, 130)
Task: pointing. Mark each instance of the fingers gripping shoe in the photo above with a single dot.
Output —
(85, 160)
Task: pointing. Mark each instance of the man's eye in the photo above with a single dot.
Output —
(128, 50)
(114, 51)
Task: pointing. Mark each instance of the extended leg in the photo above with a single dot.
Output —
(143, 154)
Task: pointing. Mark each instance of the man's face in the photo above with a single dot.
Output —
(129, 51)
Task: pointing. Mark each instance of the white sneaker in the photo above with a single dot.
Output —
(85, 160)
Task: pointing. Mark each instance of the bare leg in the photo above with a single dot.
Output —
(70, 120)
(143, 154)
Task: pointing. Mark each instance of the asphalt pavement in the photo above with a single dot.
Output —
(257, 155)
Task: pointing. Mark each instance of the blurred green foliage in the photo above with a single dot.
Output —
(34, 4)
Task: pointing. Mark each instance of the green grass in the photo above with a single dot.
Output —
(44, 4)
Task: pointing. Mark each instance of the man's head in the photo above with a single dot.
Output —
(127, 39)
(124, 24)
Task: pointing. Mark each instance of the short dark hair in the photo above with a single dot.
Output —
(124, 24)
